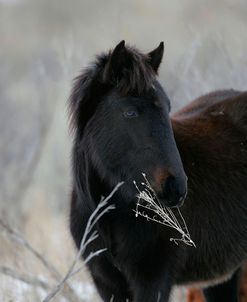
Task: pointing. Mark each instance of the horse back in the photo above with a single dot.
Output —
(229, 106)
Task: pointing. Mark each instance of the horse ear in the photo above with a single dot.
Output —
(155, 56)
(117, 60)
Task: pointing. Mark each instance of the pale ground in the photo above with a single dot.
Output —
(43, 46)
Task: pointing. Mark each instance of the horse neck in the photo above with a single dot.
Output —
(191, 141)
(208, 142)
(203, 149)
(209, 149)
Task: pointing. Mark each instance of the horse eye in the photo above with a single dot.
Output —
(130, 114)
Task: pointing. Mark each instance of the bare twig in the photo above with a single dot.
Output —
(31, 280)
(87, 238)
(162, 215)
(18, 238)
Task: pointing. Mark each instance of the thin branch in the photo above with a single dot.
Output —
(31, 280)
(18, 238)
(90, 256)
(87, 238)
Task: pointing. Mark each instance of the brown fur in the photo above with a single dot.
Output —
(211, 135)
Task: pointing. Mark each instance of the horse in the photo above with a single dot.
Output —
(195, 159)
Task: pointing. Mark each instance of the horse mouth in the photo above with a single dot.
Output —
(172, 203)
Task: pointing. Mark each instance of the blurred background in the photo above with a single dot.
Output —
(43, 46)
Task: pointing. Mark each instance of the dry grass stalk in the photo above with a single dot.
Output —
(88, 237)
(31, 280)
(147, 200)
(68, 292)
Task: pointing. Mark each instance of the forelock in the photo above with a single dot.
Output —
(138, 75)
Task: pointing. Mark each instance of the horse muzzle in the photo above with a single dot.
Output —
(173, 191)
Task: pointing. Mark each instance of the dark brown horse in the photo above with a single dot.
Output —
(211, 135)
(120, 115)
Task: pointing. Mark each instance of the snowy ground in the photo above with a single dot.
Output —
(43, 46)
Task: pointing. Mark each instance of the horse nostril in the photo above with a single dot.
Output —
(170, 185)
(174, 192)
